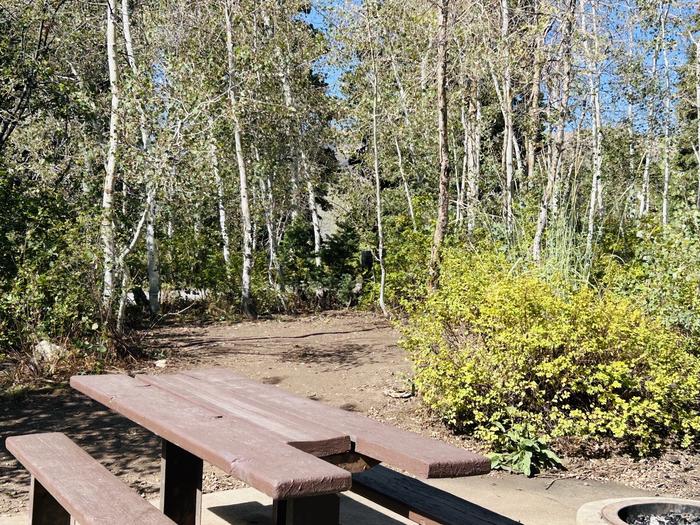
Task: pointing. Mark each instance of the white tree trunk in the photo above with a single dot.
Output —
(152, 253)
(377, 179)
(474, 161)
(667, 121)
(107, 222)
(594, 93)
(123, 298)
(152, 269)
(274, 269)
(313, 208)
(218, 181)
(534, 100)
(507, 107)
(557, 146)
(246, 297)
(404, 104)
(406, 189)
(644, 197)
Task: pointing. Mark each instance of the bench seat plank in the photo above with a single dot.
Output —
(423, 457)
(82, 486)
(242, 449)
(420, 502)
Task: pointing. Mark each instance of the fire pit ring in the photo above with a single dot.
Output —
(625, 511)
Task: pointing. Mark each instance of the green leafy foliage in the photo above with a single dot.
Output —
(660, 271)
(328, 284)
(522, 452)
(52, 293)
(497, 344)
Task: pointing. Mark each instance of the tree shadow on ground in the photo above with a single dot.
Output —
(120, 445)
(339, 357)
(255, 513)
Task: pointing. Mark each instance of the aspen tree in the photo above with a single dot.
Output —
(444, 152)
(107, 223)
(246, 297)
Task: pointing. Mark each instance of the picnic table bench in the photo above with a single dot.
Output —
(298, 451)
(67, 483)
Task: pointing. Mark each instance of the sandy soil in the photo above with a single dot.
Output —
(350, 360)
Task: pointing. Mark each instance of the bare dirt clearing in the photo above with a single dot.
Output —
(347, 359)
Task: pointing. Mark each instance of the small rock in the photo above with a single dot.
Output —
(397, 395)
(161, 363)
(47, 354)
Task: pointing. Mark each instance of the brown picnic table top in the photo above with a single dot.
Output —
(270, 439)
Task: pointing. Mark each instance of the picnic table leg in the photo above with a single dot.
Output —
(43, 507)
(314, 510)
(180, 485)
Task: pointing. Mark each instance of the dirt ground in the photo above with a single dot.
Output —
(347, 359)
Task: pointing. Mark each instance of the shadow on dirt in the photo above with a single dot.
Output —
(114, 441)
(339, 357)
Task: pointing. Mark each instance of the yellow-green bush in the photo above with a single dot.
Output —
(497, 344)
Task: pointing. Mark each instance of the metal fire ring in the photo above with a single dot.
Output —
(614, 511)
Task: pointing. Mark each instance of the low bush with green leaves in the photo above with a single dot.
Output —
(659, 269)
(520, 451)
(498, 344)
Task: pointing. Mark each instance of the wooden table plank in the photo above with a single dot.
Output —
(427, 458)
(242, 449)
(304, 433)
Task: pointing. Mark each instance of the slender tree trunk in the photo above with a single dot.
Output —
(404, 104)
(474, 164)
(313, 207)
(274, 268)
(377, 179)
(378, 196)
(152, 270)
(557, 147)
(630, 115)
(152, 253)
(283, 73)
(507, 107)
(667, 123)
(534, 101)
(594, 88)
(645, 197)
(123, 298)
(444, 181)
(246, 297)
(406, 189)
(218, 181)
(107, 222)
(462, 184)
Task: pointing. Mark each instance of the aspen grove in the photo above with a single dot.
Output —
(254, 157)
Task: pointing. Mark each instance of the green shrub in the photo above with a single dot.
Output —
(521, 451)
(329, 284)
(54, 293)
(407, 254)
(500, 345)
(660, 271)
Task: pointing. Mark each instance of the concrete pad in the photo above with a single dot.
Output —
(537, 501)
(534, 501)
(250, 507)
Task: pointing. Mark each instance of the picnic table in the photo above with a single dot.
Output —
(300, 452)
